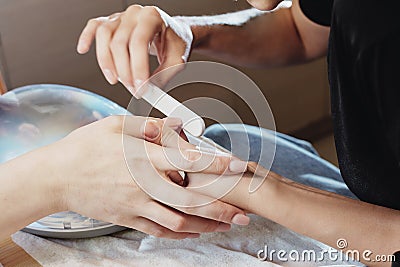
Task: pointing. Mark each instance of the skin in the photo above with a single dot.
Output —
(122, 43)
(363, 225)
(280, 38)
(87, 173)
(130, 32)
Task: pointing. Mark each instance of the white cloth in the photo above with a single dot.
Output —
(238, 247)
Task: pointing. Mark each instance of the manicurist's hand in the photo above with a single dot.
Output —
(123, 41)
(90, 167)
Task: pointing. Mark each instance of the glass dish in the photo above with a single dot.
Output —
(36, 115)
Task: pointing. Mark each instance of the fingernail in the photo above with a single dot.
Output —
(173, 122)
(138, 83)
(185, 181)
(181, 182)
(237, 165)
(82, 46)
(131, 89)
(139, 89)
(240, 219)
(223, 227)
(193, 236)
(110, 77)
(151, 129)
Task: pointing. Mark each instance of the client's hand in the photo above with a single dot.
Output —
(90, 166)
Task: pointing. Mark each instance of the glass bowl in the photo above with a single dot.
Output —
(36, 115)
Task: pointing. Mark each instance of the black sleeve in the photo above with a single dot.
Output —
(318, 11)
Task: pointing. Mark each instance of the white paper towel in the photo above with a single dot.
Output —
(238, 247)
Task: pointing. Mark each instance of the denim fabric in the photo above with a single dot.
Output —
(293, 158)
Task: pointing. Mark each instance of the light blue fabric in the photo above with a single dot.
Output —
(293, 158)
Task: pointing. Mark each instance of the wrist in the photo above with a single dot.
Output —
(53, 183)
(27, 187)
(268, 200)
(200, 36)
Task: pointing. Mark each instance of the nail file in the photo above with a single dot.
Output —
(171, 107)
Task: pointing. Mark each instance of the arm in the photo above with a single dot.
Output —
(78, 174)
(318, 214)
(26, 193)
(282, 37)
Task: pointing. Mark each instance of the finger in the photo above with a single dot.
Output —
(170, 57)
(104, 35)
(172, 134)
(142, 127)
(180, 222)
(194, 160)
(86, 38)
(151, 129)
(149, 227)
(218, 211)
(189, 200)
(120, 53)
(177, 154)
(167, 70)
(149, 25)
(173, 123)
(173, 138)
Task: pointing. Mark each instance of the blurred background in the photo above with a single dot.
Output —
(38, 40)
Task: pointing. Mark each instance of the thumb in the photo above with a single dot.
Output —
(170, 50)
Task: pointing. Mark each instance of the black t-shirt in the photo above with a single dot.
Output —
(364, 76)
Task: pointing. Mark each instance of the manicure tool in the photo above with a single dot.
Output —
(171, 107)
(192, 123)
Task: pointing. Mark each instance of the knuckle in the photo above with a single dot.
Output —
(178, 224)
(220, 165)
(114, 121)
(103, 29)
(185, 161)
(158, 232)
(224, 214)
(133, 9)
(150, 11)
(210, 227)
(92, 21)
(117, 42)
(168, 136)
(192, 156)
(188, 209)
(137, 40)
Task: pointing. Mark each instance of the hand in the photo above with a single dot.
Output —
(123, 40)
(93, 178)
(264, 4)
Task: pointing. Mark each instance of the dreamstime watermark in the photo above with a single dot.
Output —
(330, 254)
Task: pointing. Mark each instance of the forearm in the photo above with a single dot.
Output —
(282, 37)
(328, 217)
(25, 194)
(321, 215)
(267, 40)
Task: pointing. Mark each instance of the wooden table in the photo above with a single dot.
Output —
(13, 255)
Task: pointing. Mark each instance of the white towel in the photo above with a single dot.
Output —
(238, 247)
